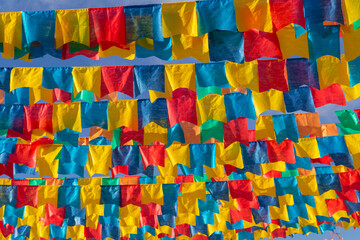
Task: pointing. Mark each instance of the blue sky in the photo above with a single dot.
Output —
(36, 5)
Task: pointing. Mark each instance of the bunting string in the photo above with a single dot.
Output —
(130, 208)
(216, 30)
(141, 117)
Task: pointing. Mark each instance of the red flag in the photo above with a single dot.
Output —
(335, 205)
(130, 194)
(152, 155)
(181, 109)
(331, 94)
(24, 154)
(243, 214)
(152, 221)
(91, 233)
(183, 229)
(324, 160)
(7, 170)
(39, 116)
(236, 130)
(241, 188)
(349, 195)
(247, 201)
(284, 12)
(184, 179)
(61, 95)
(6, 229)
(128, 134)
(283, 152)
(280, 232)
(349, 181)
(150, 209)
(117, 78)
(272, 75)
(229, 169)
(53, 215)
(272, 174)
(107, 27)
(261, 44)
(124, 169)
(27, 195)
(183, 92)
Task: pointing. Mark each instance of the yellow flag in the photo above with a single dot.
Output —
(48, 194)
(67, 116)
(332, 70)
(46, 162)
(72, 25)
(307, 147)
(243, 75)
(90, 194)
(352, 142)
(230, 155)
(217, 172)
(351, 93)
(308, 185)
(26, 77)
(173, 74)
(152, 193)
(188, 205)
(290, 44)
(268, 100)
(37, 94)
(351, 11)
(178, 76)
(351, 39)
(264, 127)
(219, 224)
(184, 46)
(185, 218)
(155, 133)
(179, 18)
(264, 186)
(123, 113)
(99, 160)
(275, 166)
(169, 171)
(194, 190)
(260, 234)
(86, 78)
(11, 29)
(130, 210)
(75, 232)
(179, 154)
(211, 107)
(253, 14)
(279, 213)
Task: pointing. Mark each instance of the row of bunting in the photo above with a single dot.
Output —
(133, 81)
(164, 116)
(264, 158)
(216, 30)
(190, 208)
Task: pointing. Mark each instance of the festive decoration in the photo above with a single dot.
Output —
(216, 30)
(236, 148)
